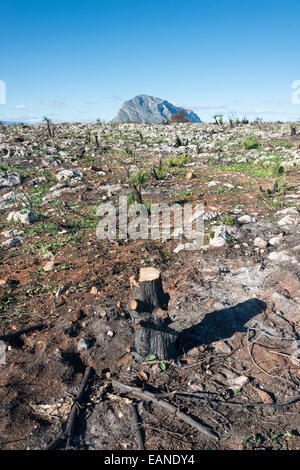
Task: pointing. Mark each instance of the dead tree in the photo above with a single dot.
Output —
(48, 122)
(148, 310)
(178, 142)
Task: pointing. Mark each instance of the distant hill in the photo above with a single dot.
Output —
(149, 109)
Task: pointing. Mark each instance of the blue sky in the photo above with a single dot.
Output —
(71, 60)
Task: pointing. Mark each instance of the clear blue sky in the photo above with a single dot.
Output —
(79, 60)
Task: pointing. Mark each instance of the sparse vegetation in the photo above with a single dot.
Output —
(251, 143)
(57, 272)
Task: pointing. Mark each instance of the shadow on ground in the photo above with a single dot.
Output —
(221, 324)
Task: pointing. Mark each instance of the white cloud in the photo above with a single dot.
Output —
(52, 102)
(20, 106)
(206, 106)
(30, 118)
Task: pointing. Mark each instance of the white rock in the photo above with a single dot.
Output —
(9, 180)
(49, 266)
(11, 241)
(67, 174)
(23, 217)
(245, 219)
(238, 382)
(187, 246)
(289, 220)
(82, 345)
(260, 243)
(275, 241)
(11, 233)
(281, 257)
(288, 211)
(221, 236)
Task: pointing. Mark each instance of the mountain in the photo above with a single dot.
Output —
(149, 109)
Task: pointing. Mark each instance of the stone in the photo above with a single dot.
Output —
(23, 217)
(49, 266)
(281, 257)
(67, 174)
(221, 236)
(190, 176)
(222, 347)
(187, 246)
(8, 199)
(288, 211)
(194, 352)
(289, 220)
(11, 242)
(275, 241)
(238, 382)
(60, 291)
(245, 219)
(82, 344)
(288, 307)
(9, 179)
(260, 243)
(11, 233)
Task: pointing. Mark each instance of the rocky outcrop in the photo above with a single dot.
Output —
(149, 109)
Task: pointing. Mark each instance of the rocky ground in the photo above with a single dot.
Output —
(64, 293)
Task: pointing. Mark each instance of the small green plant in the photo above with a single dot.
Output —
(88, 134)
(277, 170)
(138, 179)
(251, 143)
(159, 172)
(179, 161)
(131, 199)
(227, 220)
(182, 195)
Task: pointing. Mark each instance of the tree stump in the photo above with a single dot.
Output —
(148, 310)
(293, 130)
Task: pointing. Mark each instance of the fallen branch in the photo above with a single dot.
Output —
(67, 434)
(227, 403)
(147, 396)
(137, 428)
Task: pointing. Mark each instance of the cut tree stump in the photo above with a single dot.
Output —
(148, 309)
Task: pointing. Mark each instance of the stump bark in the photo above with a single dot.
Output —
(148, 309)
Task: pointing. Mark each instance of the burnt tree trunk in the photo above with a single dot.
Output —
(293, 130)
(148, 310)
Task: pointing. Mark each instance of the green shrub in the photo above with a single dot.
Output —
(277, 170)
(179, 161)
(251, 143)
(138, 179)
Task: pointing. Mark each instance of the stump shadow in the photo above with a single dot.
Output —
(220, 324)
